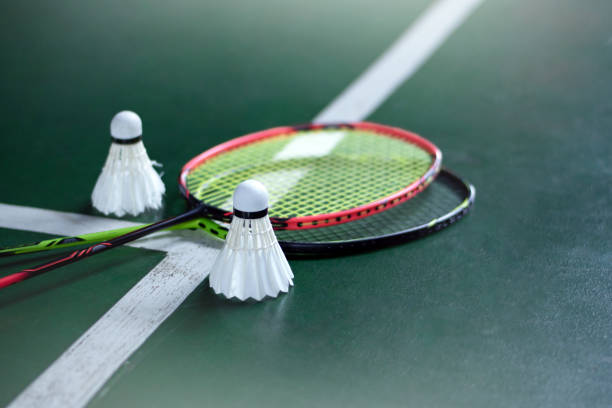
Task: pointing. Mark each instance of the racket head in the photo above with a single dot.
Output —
(317, 175)
(446, 200)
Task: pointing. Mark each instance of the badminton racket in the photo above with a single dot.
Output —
(317, 175)
(446, 201)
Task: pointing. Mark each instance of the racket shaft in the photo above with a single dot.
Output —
(94, 237)
(67, 242)
(98, 248)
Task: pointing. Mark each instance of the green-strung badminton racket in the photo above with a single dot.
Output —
(317, 176)
(446, 200)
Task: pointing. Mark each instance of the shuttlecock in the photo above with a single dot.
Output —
(128, 183)
(252, 263)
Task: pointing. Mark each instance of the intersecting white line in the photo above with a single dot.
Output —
(405, 56)
(74, 378)
(81, 371)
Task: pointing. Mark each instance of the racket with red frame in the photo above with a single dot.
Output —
(317, 176)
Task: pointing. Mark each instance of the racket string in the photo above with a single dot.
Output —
(361, 168)
(437, 200)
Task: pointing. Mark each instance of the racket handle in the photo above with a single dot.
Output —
(14, 278)
(66, 242)
(96, 249)
(95, 237)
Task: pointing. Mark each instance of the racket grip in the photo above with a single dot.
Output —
(56, 263)
(14, 278)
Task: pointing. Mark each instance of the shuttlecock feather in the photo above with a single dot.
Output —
(251, 263)
(128, 184)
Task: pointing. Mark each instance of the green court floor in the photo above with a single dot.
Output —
(510, 307)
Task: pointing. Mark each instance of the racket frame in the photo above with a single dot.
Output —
(319, 220)
(360, 245)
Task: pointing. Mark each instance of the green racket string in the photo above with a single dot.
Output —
(443, 196)
(362, 167)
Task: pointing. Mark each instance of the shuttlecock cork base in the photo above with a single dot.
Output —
(128, 184)
(252, 264)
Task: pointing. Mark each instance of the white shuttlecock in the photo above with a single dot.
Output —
(252, 263)
(128, 183)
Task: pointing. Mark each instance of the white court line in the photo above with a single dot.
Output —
(53, 222)
(75, 377)
(19, 217)
(81, 371)
(399, 62)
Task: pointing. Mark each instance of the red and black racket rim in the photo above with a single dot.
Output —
(332, 218)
